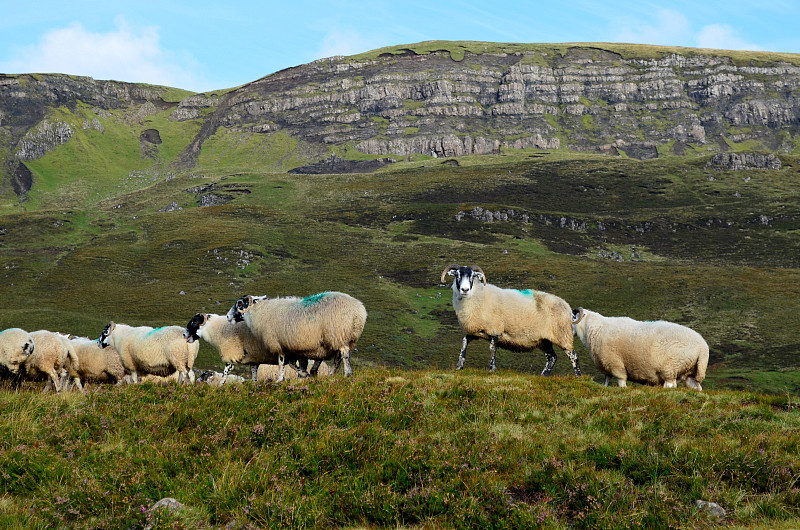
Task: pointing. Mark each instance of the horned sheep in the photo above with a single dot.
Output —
(512, 319)
(657, 353)
(320, 327)
(53, 354)
(233, 340)
(153, 351)
(16, 345)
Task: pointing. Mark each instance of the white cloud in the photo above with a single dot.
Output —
(722, 37)
(669, 28)
(124, 54)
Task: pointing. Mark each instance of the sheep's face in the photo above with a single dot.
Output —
(464, 284)
(577, 318)
(242, 306)
(105, 337)
(191, 333)
(19, 354)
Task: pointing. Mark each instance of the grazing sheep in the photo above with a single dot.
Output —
(657, 353)
(96, 365)
(16, 345)
(153, 351)
(52, 354)
(217, 379)
(318, 327)
(269, 372)
(512, 319)
(233, 340)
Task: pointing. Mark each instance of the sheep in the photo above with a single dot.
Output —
(509, 318)
(151, 350)
(657, 353)
(234, 341)
(52, 354)
(96, 364)
(270, 372)
(318, 327)
(16, 345)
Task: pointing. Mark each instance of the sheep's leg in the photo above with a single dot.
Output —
(550, 358)
(314, 368)
(302, 367)
(671, 384)
(78, 384)
(63, 382)
(493, 351)
(607, 380)
(281, 368)
(345, 353)
(254, 372)
(573, 358)
(225, 372)
(463, 355)
(337, 360)
(55, 380)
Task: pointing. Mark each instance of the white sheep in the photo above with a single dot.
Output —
(153, 351)
(53, 353)
(16, 345)
(657, 353)
(512, 319)
(233, 340)
(319, 327)
(100, 365)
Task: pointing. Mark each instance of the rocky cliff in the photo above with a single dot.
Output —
(452, 99)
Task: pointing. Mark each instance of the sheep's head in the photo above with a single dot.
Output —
(242, 306)
(22, 349)
(193, 327)
(105, 336)
(464, 278)
(577, 316)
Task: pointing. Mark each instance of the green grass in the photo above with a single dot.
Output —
(391, 448)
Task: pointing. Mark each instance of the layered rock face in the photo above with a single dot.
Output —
(586, 99)
(404, 103)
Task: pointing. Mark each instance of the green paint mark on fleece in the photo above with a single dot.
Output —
(313, 299)
(526, 292)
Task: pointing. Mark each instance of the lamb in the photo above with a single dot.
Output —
(153, 351)
(658, 353)
(509, 318)
(52, 354)
(318, 327)
(234, 341)
(16, 345)
(96, 364)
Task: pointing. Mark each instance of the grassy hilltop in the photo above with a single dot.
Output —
(397, 448)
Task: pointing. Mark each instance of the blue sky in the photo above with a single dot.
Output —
(201, 45)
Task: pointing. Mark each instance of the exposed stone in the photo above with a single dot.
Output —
(740, 161)
(711, 508)
(171, 207)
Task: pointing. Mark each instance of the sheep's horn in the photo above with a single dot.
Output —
(483, 274)
(577, 315)
(449, 268)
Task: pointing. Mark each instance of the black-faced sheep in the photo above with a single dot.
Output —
(53, 353)
(656, 353)
(319, 327)
(153, 351)
(96, 365)
(16, 345)
(509, 318)
(234, 341)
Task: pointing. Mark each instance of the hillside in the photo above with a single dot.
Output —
(145, 204)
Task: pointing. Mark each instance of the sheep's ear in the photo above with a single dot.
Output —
(481, 277)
